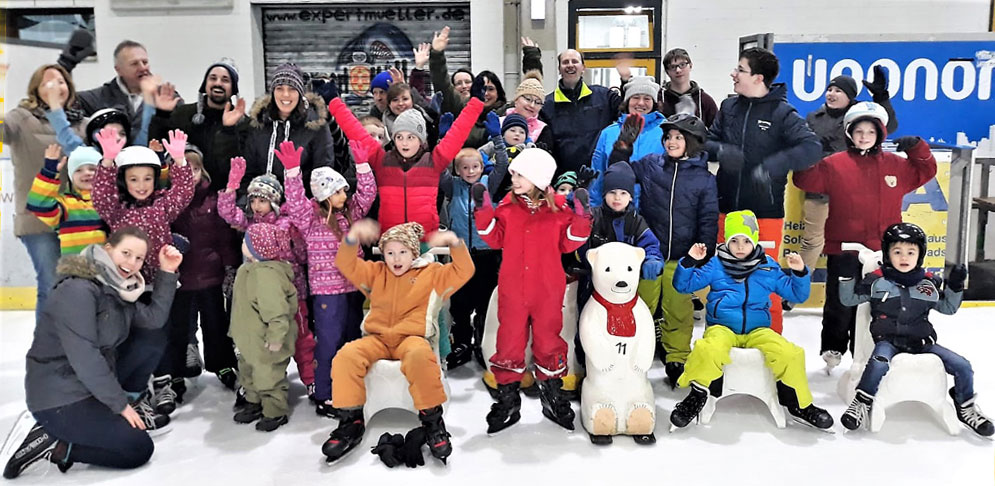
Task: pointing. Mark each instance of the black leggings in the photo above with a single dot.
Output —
(474, 296)
(209, 305)
(97, 435)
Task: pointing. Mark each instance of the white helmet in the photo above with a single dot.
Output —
(325, 181)
(137, 155)
(866, 110)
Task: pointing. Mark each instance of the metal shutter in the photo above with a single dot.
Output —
(354, 42)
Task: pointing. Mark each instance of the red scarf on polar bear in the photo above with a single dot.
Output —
(621, 320)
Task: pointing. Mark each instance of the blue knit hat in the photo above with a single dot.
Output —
(514, 120)
(619, 176)
(382, 81)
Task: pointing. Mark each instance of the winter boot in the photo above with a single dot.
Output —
(249, 413)
(325, 409)
(346, 436)
(163, 395)
(555, 405)
(505, 412)
(311, 387)
(228, 378)
(812, 416)
(195, 364)
(688, 409)
(435, 430)
(832, 359)
(674, 371)
(858, 412)
(459, 356)
(970, 415)
(269, 424)
(155, 423)
(240, 401)
(27, 445)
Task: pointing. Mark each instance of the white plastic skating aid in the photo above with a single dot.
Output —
(747, 374)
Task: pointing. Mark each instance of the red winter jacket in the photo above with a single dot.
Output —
(409, 187)
(533, 241)
(212, 241)
(865, 191)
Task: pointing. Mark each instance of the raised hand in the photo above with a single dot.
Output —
(478, 192)
(585, 175)
(176, 145)
(232, 115)
(906, 143)
(492, 124)
(582, 203)
(698, 251)
(957, 277)
(169, 259)
(527, 42)
(421, 55)
(156, 146)
(795, 261)
(445, 123)
(624, 68)
(235, 173)
(396, 76)
(441, 39)
(165, 97)
(365, 231)
(107, 137)
(360, 154)
(478, 89)
(288, 155)
(442, 238)
(149, 85)
(878, 87)
(631, 129)
(53, 151)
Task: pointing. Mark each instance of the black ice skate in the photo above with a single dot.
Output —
(249, 413)
(674, 371)
(555, 405)
(812, 416)
(325, 409)
(155, 423)
(163, 395)
(346, 436)
(859, 411)
(688, 409)
(505, 412)
(435, 431)
(459, 356)
(228, 378)
(27, 444)
(269, 424)
(970, 415)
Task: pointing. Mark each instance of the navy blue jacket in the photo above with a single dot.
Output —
(767, 131)
(576, 125)
(680, 202)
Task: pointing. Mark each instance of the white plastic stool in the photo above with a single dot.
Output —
(910, 377)
(747, 374)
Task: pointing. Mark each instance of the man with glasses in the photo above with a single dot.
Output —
(577, 112)
(757, 138)
(681, 94)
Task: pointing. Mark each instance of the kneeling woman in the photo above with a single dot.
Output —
(89, 363)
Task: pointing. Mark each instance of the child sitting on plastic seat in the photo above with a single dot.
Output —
(742, 278)
(402, 289)
(901, 294)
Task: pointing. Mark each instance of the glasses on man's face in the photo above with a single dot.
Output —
(682, 65)
(740, 70)
(532, 100)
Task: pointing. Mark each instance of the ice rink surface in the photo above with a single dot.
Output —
(740, 447)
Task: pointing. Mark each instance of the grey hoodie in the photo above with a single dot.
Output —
(74, 352)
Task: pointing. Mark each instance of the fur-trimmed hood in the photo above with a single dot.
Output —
(77, 266)
(317, 112)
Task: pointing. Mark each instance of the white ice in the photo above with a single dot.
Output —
(741, 446)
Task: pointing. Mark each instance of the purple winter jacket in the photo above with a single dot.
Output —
(212, 241)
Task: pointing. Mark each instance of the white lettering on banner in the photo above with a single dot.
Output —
(975, 77)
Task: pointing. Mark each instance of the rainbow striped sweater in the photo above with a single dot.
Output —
(71, 213)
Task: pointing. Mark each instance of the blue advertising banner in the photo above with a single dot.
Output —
(941, 90)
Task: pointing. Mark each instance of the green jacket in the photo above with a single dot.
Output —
(263, 305)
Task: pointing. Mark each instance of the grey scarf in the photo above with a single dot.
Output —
(128, 288)
(740, 269)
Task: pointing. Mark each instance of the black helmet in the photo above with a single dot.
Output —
(102, 118)
(903, 232)
(686, 123)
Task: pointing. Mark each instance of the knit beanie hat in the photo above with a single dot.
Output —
(531, 85)
(411, 120)
(229, 65)
(741, 223)
(288, 74)
(536, 165)
(846, 84)
(381, 81)
(266, 241)
(268, 187)
(619, 176)
(83, 155)
(407, 234)
(325, 181)
(644, 85)
(568, 177)
(514, 120)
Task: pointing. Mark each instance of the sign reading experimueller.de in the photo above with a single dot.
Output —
(941, 89)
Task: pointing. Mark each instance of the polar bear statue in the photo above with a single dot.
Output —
(616, 330)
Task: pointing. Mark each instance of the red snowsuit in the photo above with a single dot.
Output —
(409, 187)
(865, 191)
(531, 282)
